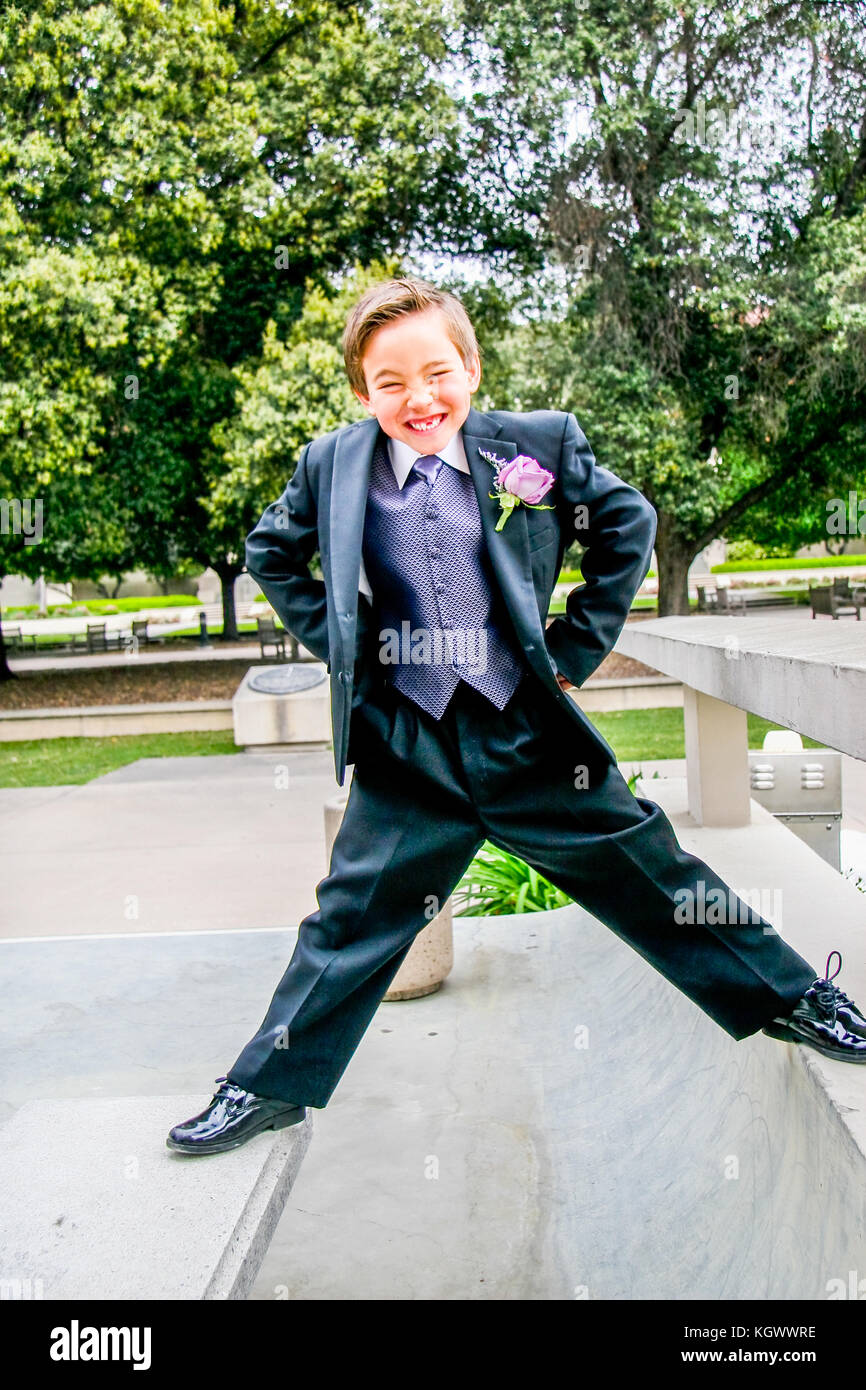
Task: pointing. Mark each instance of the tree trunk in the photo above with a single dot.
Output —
(674, 554)
(106, 589)
(228, 573)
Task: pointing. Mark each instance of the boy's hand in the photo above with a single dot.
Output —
(563, 682)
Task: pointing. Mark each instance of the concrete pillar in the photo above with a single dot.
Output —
(717, 759)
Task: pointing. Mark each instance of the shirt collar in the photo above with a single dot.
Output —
(403, 457)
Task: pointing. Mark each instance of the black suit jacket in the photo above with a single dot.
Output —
(322, 509)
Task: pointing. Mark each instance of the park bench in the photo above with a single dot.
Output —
(706, 599)
(720, 600)
(846, 593)
(270, 637)
(824, 600)
(99, 639)
(16, 640)
(728, 601)
(725, 600)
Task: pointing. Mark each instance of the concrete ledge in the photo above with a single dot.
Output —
(803, 673)
(104, 721)
(97, 1207)
(168, 717)
(812, 906)
(630, 692)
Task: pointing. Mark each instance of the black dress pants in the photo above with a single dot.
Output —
(424, 796)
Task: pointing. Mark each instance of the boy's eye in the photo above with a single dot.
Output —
(387, 385)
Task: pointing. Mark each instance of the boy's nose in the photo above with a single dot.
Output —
(422, 392)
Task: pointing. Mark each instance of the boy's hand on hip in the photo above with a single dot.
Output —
(563, 682)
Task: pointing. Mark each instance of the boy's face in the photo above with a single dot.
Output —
(415, 377)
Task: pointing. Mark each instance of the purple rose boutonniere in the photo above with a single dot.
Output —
(521, 479)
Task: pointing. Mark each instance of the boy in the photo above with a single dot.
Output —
(423, 542)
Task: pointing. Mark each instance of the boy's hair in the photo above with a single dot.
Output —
(390, 300)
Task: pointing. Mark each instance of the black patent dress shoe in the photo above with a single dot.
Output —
(846, 1010)
(233, 1116)
(825, 1019)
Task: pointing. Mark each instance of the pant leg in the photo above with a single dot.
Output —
(401, 849)
(618, 856)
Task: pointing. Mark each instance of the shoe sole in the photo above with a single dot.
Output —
(291, 1117)
(783, 1035)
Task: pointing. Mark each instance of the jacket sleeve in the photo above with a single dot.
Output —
(278, 554)
(617, 525)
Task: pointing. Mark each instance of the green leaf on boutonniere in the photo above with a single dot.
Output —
(507, 503)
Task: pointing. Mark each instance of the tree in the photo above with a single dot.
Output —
(196, 166)
(687, 204)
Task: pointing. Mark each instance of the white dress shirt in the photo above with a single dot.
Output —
(402, 458)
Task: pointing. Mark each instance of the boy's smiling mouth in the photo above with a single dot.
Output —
(426, 424)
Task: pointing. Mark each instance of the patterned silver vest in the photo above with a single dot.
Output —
(439, 613)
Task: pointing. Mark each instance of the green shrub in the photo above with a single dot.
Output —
(750, 550)
(497, 883)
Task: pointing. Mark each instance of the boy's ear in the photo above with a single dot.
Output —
(365, 401)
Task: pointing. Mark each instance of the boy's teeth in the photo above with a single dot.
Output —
(429, 426)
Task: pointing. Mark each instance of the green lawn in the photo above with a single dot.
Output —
(805, 562)
(53, 762)
(646, 602)
(98, 607)
(643, 601)
(634, 735)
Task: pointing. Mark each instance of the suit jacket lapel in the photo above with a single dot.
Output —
(508, 548)
(350, 480)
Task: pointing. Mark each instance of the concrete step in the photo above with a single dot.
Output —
(96, 1206)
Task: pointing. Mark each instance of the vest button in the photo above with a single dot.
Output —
(439, 587)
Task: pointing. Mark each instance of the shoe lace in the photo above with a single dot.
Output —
(828, 995)
(227, 1088)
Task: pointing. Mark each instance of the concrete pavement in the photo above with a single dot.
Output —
(167, 844)
(174, 844)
